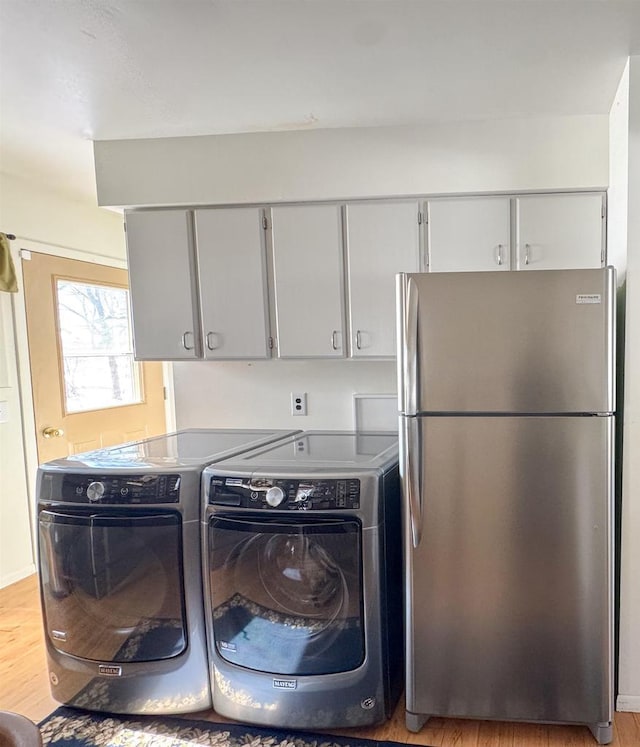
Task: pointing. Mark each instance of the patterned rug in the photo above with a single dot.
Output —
(71, 727)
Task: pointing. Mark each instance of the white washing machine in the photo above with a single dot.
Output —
(302, 558)
(120, 574)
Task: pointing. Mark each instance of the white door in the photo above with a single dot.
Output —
(382, 240)
(161, 278)
(307, 270)
(469, 234)
(232, 282)
(560, 232)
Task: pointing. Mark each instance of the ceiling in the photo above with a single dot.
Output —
(72, 71)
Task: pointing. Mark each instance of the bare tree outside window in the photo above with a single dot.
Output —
(97, 350)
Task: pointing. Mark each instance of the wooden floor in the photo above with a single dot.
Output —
(24, 689)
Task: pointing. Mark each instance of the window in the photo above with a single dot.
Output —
(96, 346)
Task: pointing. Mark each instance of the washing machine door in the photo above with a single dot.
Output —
(112, 585)
(287, 595)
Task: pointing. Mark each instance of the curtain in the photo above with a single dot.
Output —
(8, 281)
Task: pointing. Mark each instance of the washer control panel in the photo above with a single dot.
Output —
(289, 495)
(120, 489)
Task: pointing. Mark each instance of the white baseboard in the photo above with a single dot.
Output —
(628, 703)
(11, 578)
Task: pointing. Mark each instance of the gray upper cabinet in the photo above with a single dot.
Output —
(383, 238)
(527, 232)
(198, 284)
(232, 283)
(308, 281)
(560, 232)
(201, 287)
(469, 234)
(161, 280)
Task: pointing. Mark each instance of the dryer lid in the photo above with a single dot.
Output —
(186, 448)
(319, 451)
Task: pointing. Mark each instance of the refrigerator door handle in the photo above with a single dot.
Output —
(411, 460)
(410, 358)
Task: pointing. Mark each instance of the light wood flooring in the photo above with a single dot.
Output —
(24, 688)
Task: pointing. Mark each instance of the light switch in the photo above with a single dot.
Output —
(4, 412)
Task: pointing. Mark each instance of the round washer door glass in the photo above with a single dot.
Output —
(286, 596)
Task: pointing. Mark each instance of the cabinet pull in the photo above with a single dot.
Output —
(334, 337)
(184, 340)
(527, 248)
(212, 336)
(358, 339)
(499, 254)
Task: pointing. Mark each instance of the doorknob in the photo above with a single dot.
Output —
(51, 432)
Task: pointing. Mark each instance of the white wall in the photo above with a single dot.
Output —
(629, 680)
(239, 394)
(16, 558)
(540, 153)
(33, 212)
(617, 196)
(52, 222)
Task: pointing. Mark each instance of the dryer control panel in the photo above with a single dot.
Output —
(120, 489)
(284, 494)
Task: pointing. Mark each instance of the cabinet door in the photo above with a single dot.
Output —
(163, 295)
(307, 270)
(382, 239)
(232, 282)
(560, 232)
(469, 234)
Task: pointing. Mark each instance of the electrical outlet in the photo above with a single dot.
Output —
(298, 403)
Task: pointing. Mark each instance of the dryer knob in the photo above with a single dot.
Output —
(95, 491)
(275, 496)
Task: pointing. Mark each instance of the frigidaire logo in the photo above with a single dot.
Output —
(110, 670)
(285, 684)
(588, 298)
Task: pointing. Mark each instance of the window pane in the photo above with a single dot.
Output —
(96, 345)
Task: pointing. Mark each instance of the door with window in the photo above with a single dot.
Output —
(88, 392)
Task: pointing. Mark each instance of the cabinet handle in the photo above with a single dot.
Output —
(184, 340)
(210, 336)
(499, 254)
(358, 339)
(334, 337)
(527, 248)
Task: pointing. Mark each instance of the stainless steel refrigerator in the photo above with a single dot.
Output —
(507, 397)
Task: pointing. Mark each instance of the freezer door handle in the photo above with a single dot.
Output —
(411, 460)
(410, 357)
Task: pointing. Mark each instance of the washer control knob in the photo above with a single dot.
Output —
(95, 491)
(274, 496)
